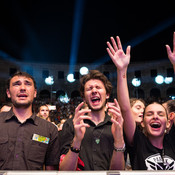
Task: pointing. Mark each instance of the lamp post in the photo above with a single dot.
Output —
(50, 81)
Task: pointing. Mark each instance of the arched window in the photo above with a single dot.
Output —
(139, 93)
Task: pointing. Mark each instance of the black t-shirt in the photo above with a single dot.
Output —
(97, 144)
(144, 156)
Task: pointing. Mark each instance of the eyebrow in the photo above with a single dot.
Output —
(18, 81)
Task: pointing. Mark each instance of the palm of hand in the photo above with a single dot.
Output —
(121, 59)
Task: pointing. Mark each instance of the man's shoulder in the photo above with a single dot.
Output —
(3, 115)
(42, 122)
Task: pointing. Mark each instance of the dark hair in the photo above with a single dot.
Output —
(170, 106)
(95, 74)
(39, 106)
(22, 74)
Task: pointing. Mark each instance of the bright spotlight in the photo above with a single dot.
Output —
(159, 79)
(64, 98)
(172, 97)
(84, 70)
(136, 82)
(168, 80)
(70, 78)
(49, 80)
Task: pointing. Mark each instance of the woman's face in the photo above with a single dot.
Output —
(137, 111)
(155, 120)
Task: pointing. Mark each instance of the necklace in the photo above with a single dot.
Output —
(97, 139)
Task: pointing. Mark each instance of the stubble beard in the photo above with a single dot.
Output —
(96, 109)
(22, 105)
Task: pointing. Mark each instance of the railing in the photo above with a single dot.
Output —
(87, 172)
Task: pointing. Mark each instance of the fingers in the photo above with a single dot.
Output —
(168, 49)
(128, 50)
(110, 48)
(81, 126)
(110, 53)
(80, 118)
(119, 42)
(79, 111)
(79, 107)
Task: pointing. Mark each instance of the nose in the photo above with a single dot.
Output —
(155, 116)
(94, 90)
(22, 87)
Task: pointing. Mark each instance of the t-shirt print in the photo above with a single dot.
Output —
(157, 162)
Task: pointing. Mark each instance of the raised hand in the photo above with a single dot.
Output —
(115, 51)
(171, 54)
(117, 120)
(79, 125)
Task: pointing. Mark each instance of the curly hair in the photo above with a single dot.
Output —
(95, 74)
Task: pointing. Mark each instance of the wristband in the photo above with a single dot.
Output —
(120, 149)
(75, 150)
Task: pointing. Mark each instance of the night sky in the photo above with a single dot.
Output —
(42, 31)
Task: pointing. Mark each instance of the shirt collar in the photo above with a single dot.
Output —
(106, 120)
(10, 114)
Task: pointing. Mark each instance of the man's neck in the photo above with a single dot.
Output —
(23, 113)
(98, 116)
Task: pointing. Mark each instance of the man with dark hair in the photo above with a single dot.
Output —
(93, 140)
(27, 142)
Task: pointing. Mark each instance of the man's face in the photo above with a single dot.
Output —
(95, 94)
(21, 91)
(44, 112)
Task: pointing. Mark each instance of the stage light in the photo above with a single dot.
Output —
(64, 98)
(136, 82)
(49, 80)
(84, 70)
(159, 79)
(172, 97)
(168, 80)
(70, 78)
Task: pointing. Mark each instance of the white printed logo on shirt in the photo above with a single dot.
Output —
(155, 162)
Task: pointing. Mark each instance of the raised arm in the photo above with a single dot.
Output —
(121, 61)
(69, 163)
(117, 161)
(171, 54)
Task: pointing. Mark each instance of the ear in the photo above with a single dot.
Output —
(169, 123)
(8, 93)
(107, 96)
(35, 93)
(171, 116)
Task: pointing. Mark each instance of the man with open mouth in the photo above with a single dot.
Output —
(27, 142)
(93, 140)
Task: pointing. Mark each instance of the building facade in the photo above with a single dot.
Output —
(144, 71)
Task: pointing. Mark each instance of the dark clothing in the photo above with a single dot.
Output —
(145, 156)
(20, 150)
(97, 144)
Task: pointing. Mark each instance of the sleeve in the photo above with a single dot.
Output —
(67, 135)
(53, 150)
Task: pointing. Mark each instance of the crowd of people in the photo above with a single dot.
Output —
(94, 134)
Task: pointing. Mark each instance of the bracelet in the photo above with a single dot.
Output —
(75, 150)
(120, 149)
